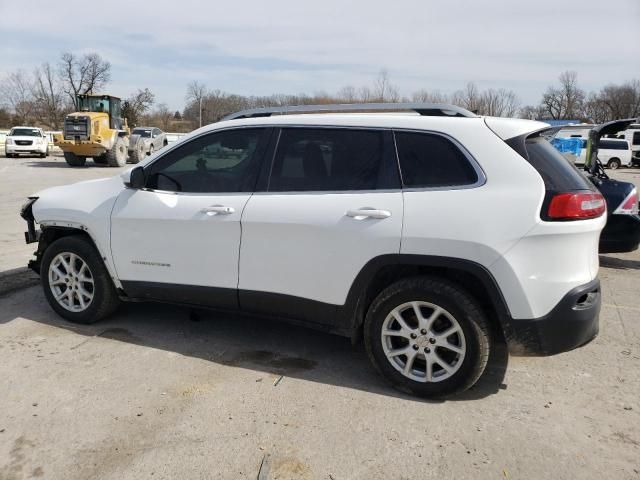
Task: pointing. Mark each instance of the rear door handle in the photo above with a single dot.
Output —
(221, 209)
(367, 212)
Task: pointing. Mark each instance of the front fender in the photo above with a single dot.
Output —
(85, 206)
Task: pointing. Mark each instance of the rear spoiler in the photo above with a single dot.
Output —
(593, 144)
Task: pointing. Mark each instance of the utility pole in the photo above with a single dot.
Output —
(200, 111)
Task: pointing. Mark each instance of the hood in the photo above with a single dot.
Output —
(78, 201)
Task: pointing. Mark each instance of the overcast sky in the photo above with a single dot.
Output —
(293, 46)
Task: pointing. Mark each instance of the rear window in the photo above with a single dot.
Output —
(558, 173)
(611, 145)
(429, 161)
(636, 138)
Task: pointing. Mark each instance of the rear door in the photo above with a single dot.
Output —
(178, 238)
(332, 202)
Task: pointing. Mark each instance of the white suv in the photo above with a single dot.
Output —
(31, 140)
(429, 233)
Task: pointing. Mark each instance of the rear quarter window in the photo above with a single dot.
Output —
(558, 173)
(430, 161)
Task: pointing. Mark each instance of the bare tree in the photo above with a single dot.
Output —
(17, 91)
(499, 103)
(383, 90)
(136, 105)
(429, 97)
(468, 98)
(82, 75)
(348, 94)
(196, 92)
(48, 96)
(565, 101)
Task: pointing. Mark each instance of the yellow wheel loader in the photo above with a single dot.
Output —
(97, 130)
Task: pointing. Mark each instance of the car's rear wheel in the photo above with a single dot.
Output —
(74, 160)
(427, 337)
(614, 163)
(137, 153)
(76, 282)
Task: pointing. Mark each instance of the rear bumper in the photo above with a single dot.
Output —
(572, 323)
(621, 234)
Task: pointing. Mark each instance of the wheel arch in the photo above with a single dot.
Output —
(384, 270)
(51, 233)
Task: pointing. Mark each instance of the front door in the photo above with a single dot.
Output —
(178, 238)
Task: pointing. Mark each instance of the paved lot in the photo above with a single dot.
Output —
(156, 393)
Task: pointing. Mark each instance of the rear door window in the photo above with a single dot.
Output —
(431, 160)
(330, 159)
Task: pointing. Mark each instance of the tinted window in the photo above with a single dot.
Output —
(636, 138)
(220, 162)
(428, 160)
(142, 132)
(609, 145)
(558, 173)
(322, 159)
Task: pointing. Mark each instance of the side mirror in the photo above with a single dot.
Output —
(134, 178)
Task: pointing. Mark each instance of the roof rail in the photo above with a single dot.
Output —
(428, 109)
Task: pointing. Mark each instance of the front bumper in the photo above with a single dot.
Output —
(572, 323)
(621, 234)
(14, 149)
(92, 147)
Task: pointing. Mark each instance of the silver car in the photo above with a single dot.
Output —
(144, 141)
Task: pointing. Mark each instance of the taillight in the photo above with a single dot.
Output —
(576, 206)
(629, 205)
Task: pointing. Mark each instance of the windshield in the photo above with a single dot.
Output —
(142, 132)
(93, 104)
(24, 132)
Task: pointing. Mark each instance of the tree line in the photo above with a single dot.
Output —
(44, 96)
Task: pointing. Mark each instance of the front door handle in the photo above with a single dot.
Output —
(221, 209)
(367, 212)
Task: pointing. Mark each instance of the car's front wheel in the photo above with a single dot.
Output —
(427, 337)
(614, 163)
(76, 282)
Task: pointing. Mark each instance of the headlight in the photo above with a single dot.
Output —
(25, 210)
(9, 141)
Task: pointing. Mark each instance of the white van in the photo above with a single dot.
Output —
(614, 153)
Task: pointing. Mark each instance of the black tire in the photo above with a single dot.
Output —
(105, 299)
(74, 160)
(614, 163)
(43, 155)
(117, 155)
(456, 302)
(151, 149)
(137, 153)
(8, 155)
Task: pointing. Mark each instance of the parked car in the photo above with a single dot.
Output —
(29, 140)
(622, 231)
(429, 234)
(144, 141)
